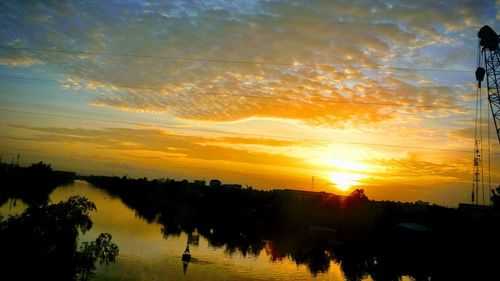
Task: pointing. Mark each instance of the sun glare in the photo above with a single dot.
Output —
(344, 181)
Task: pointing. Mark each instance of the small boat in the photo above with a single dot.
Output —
(186, 256)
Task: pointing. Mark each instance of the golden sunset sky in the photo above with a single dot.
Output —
(378, 95)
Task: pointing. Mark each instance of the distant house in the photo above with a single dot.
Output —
(215, 183)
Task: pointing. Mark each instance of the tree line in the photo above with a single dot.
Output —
(383, 239)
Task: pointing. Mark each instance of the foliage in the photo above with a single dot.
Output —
(357, 196)
(102, 250)
(42, 242)
(32, 184)
(495, 197)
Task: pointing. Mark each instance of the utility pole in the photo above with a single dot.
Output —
(312, 184)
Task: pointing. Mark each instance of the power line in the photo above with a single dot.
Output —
(274, 20)
(229, 61)
(259, 96)
(237, 133)
(28, 78)
(281, 20)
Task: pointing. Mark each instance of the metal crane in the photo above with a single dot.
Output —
(489, 53)
(489, 41)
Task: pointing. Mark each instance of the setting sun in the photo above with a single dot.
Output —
(344, 181)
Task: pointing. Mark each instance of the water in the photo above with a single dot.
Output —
(145, 254)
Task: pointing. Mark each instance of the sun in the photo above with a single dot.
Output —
(344, 181)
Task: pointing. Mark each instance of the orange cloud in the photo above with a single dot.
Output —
(158, 143)
(380, 34)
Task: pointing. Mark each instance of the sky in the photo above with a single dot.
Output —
(378, 95)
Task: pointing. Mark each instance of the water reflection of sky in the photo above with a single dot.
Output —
(146, 255)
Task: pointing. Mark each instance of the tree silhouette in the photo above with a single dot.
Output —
(41, 243)
(495, 197)
(32, 184)
(357, 196)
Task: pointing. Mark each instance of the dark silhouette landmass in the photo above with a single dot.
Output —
(386, 240)
(31, 184)
(42, 243)
(382, 239)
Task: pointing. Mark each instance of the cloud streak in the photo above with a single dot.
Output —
(166, 145)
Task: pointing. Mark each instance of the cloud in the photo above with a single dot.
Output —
(256, 141)
(158, 144)
(266, 31)
(413, 166)
(22, 61)
(498, 7)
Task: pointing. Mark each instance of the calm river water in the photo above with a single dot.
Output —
(145, 254)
